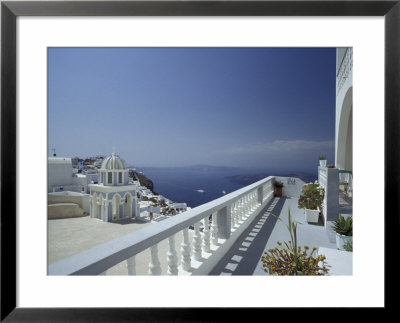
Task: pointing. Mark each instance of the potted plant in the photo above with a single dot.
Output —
(289, 258)
(311, 201)
(343, 228)
(322, 161)
(278, 185)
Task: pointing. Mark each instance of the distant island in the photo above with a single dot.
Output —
(199, 168)
(247, 179)
(243, 176)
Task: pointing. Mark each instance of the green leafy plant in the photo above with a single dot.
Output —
(312, 197)
(278, 184)
(348, 246)
(289, 258)
(343, 226)
(322, 158)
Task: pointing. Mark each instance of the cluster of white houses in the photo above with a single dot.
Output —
(113, 197)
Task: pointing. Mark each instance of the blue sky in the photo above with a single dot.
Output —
(246, 107)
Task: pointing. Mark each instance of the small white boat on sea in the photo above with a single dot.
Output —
(223, 192)
(200, 191)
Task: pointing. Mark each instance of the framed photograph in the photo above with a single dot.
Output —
(56, 56)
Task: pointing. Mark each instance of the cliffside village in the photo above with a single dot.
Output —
(104, 188)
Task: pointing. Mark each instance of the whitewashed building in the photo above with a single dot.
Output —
(61, 176)
(344, 109)
(340, 177)
(113, 197)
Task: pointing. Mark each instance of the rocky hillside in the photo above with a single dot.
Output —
(144, 181)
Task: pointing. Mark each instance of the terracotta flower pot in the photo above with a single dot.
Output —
(278, 191)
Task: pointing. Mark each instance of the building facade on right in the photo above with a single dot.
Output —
(344, 109)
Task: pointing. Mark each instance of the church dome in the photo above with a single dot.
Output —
(113, 162)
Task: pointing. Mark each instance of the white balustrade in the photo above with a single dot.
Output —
(345, 69)
(154, 267)
(232, 216)
(231, 209)
(197, 242)
(237, 214)
(206, 235)
(131, 265)
(185, 250)
(242, 209)
(247, 203)
(172, 256)
(214, 230)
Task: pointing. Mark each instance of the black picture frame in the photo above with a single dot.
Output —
(10, 10)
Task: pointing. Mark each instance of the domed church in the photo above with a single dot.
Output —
(113, 197)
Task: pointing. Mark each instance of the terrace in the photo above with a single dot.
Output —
(242, 225)
(228, 236)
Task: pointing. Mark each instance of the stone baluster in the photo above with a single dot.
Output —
(232, 216)
(214, 230)
(185, 250)
(235, 214)
(154, 267)
(131, 265)
(247, 206)
(241, 208)
(197, 242)
(206, 235)
(264, 192)
(250, 201)
(172, 257)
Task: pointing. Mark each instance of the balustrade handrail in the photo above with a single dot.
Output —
(98, 259)
(344, 69)
(341, 63)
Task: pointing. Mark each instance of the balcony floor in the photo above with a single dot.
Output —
(70, 236)
(244, 257)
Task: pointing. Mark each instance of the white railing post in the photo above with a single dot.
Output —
(206, 235)
(237, 213)
(197, 242)
(214, 230)
(247, 203)
(154, 267)
(131, 265)
(241, 209)
(172, 256)
(233, 214)
(185, 251)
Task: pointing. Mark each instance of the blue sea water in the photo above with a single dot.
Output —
(182, 185)
(201, 184)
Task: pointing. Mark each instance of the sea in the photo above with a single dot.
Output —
(196, 185)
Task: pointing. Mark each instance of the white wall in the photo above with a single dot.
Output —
(291, 186)
(59, 172)
(343, 131)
